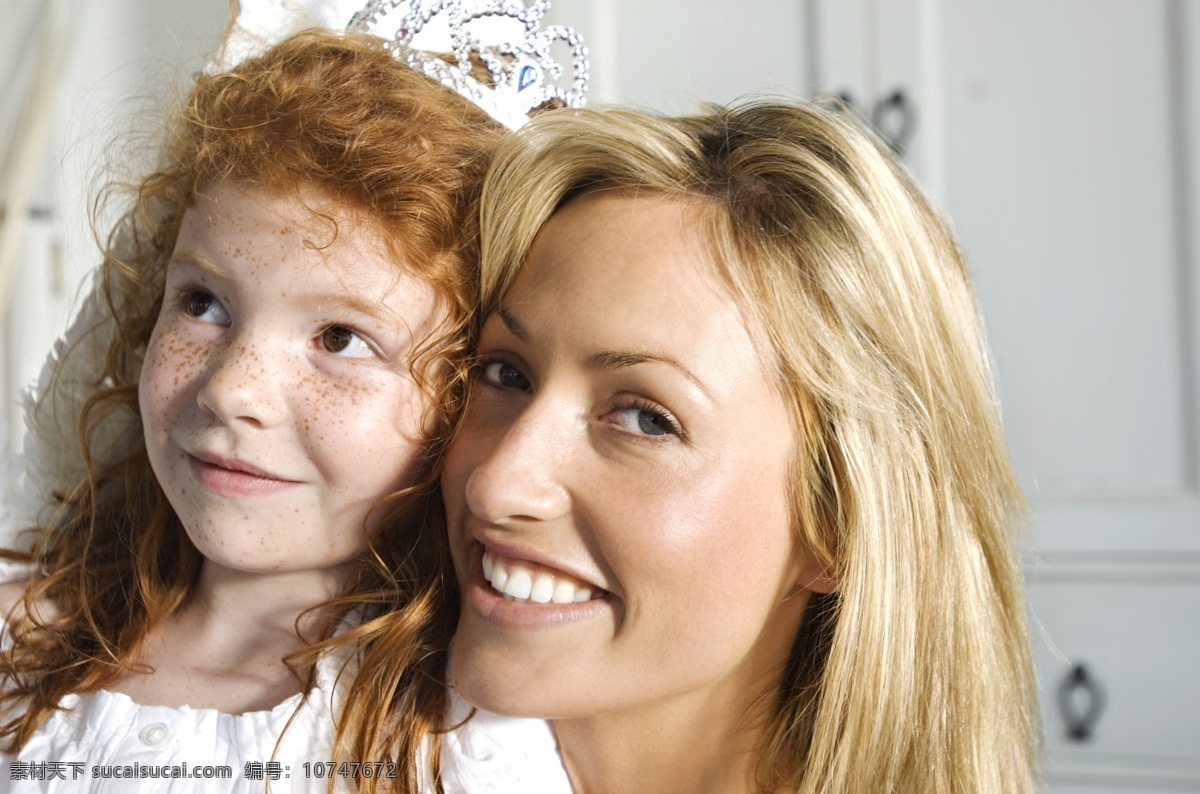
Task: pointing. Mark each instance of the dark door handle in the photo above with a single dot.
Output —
(895, 119)
(1081, 701)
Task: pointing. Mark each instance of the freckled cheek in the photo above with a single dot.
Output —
(363, 408)
(174, 366)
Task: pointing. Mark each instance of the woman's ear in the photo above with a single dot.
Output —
(816, 577)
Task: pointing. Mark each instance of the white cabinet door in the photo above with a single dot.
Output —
(1063, 139)
(669, 54)
(1068, 161)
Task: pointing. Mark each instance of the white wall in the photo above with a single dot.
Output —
(127, 60)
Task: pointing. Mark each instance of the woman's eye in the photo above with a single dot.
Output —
(503, 375)
(643, 421)
(344, 342)
(205, 307)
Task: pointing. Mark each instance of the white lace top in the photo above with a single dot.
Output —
(104, 742)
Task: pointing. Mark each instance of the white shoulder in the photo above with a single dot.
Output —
(493, 754)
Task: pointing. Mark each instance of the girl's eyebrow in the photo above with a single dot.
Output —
(335, 301)
(375, 309)
(184, 258)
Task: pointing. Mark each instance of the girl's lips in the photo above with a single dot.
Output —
(232, 464)
(232, 478)
(510, 612)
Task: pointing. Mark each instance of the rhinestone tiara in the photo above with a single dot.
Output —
(523, 71)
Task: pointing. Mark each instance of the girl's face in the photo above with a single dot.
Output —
(617, 494)
(276, 396)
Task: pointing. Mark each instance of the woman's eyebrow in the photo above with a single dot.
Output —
(515, 326)
(610, 359)
(618, 359)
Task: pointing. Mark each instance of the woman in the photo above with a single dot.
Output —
(731, 503)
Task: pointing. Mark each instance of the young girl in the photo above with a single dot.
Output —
(284, 304)
(730, 503)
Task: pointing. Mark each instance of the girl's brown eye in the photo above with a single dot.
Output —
(198, 303)
(205, 307)
(336, 338)
(344, 341)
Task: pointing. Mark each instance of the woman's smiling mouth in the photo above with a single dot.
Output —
(521, 580)
(515, 594)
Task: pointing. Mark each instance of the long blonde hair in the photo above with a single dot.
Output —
(915, 676)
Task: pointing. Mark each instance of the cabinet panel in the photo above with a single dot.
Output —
(1133, 629)
(670, 54)
(1061, 174)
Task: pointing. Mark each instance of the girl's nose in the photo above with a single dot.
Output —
(244, 384)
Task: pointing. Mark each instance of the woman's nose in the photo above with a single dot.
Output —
(245, 383)
(519, 471)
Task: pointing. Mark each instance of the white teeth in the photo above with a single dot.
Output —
(499, 577)
(543, 588)
(564, 592)
(520, 583)
(516, 582)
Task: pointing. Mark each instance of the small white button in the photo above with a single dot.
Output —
(153, 734)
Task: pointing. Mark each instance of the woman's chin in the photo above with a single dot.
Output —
(488, 686)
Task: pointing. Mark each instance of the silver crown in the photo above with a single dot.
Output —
(522, 70)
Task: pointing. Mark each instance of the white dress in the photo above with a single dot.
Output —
(104, 742)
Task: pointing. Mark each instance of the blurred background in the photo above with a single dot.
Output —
(1062, 137)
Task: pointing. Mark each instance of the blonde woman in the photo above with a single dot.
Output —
(731, 503)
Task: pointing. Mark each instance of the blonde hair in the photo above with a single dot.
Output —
(915, 676)
(321, 112)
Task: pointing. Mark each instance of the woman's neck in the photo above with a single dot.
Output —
(224, 647)
(710, 743)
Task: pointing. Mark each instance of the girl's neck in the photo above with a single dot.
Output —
(224, 648)
(240, 604)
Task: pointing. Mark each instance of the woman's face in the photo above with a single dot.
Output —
(617, 494)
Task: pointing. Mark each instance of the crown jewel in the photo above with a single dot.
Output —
(522, 69)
